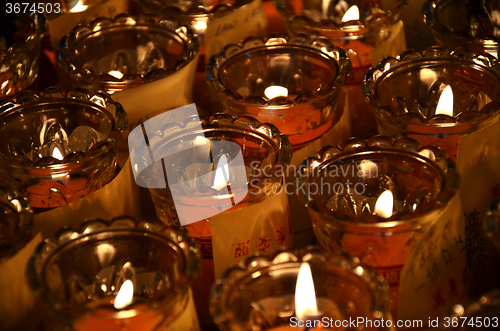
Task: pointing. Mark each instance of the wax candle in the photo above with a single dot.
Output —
(59, 146)
(290, 291)
(221, 179)
(134, 58)
(470, 105)
(367, 31)
(118, 275)
(20, 48)
(344, 188)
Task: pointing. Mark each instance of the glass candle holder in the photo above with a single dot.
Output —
(225, 186)
(293, 83)
(262, 293)
(19, 50)
(405, 93)
(119, 275)
(470, 24)
(122, 54)
(63, 15)
(368, 31)
(16, 222)
(58, 146)
(375, 198)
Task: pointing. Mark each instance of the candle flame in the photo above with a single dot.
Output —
(351, 14)
(221, 178)
(78, 8)
(56, 154)
(305, 297)
(384, 204)
(115, 73)
(445, 103)
(125, 295)
(275, 91)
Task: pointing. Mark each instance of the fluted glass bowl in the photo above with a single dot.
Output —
(20, 42)
(79, 274)
(325, 18)
(58, 146)
(405, 91)
(125, 51)
(472, 24)
(312, 70)
(16, 221)
(192, 151)
(259, 293)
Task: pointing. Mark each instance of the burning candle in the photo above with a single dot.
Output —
(134, 58)
(312, 290)
(293, 84)
(221, 179)
(20, 44)
(376, 198)
(367, 37)
(119, 275)
(59, 146)
(437, 106)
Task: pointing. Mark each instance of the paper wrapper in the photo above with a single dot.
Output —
(454, 261)
(173, 91)
(301, 222)
(394, 45)
(245, 21)
(16, 298)
(62, 25)
(264, 226)
(433, 280)
(188, 320)
(121, 196)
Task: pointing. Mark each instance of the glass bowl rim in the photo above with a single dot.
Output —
(126, 21)
(320, 45)
(414, 59)
(254, 264)
(408, 147)
(99, 101)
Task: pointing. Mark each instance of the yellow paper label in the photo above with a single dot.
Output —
(395, 44)
(434, 278)
(62, 25)
(187, 320)
(260, 227)
(119, 197)
(16, 298)
(170, 92)
(245, 21)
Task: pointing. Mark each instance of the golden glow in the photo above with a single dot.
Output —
(78, 8)
(115, 73)
(351, 14)
(274, 91)
(305, 296)
(221, 178)
(368, 168)
(56, 154)
(125, 295)
(445, 103)
(384, 204)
